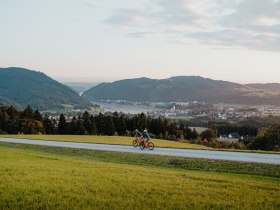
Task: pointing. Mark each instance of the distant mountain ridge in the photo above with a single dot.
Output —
(27, 87)
(185, 88)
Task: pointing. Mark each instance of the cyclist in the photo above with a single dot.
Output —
(146, 136)
(138, 136)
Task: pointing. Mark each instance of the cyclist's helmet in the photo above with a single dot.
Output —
(145, 131)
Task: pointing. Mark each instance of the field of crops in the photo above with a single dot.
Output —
(34, 177)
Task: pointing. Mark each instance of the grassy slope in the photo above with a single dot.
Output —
(122, 140)
(33, 177)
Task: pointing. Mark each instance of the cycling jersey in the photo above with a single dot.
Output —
(146, 135)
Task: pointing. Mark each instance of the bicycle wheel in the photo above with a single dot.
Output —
(142, 145)
(151, 145)
(134, 143)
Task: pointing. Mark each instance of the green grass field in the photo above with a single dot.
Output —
(123, 140)
(119, 140)
(36, 177)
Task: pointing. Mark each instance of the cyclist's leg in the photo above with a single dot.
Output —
(147, 141)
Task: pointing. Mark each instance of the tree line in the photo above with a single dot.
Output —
(266, 139)
(28, 121)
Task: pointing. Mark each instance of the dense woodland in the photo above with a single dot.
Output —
(28, 121)
(185, 88)
(20, 87)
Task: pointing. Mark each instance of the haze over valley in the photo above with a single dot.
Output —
(174, 89)
(171, 97)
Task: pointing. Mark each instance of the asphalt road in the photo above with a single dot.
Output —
(217, 155)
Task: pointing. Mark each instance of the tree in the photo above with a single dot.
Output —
(267, 138)
(39, 129)
(37, 116)
(273, 135)
(194, 134)
(110, 127)
(27, 113)
(49, 125)
(142, 121)
(131, 124)
(188, 133)
(72, 126)
(93, 125)
(119, 123)
(12, 127)
(172, 128)
(62, 125)
(80, 127)
(13, 113)
(88, 123)
(101, 124)
(155, 126)
(4, 118)
(30, 126)
(209, 134)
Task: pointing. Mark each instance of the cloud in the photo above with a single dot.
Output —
(130, 18)
(89, 3)
(146, 34)
(254, 15)
(252, 24)
(77, 20)
(238, 38)
(180, 12)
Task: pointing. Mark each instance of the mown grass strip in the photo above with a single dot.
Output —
(124, 140)
(271, 170)
(115, 140)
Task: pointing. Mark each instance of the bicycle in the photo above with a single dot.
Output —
(150, 146)
(137, 141)
(140, 142)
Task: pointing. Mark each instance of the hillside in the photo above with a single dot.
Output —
(8, 102)
(183, 88)
(269, 86)
(23, 87)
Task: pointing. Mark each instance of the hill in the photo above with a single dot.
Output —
(23, 87)
(182, 88)
(8, 102)
(269, 86)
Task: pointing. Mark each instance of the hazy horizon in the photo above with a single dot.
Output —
(97, 41)
(100, 80)
(108, 79)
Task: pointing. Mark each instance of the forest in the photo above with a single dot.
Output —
(28, 121)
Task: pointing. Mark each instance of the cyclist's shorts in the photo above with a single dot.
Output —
(147, 140)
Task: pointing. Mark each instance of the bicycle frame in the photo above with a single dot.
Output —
(139, 140)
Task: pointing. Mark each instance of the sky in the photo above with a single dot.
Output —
(107, 40)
